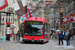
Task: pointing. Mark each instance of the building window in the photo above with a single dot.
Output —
(15, 20)
(11, 19)
(3, 19)
(6, 19)
(13, 1)
(18, 0)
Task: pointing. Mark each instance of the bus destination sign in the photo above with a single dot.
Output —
(33, 22)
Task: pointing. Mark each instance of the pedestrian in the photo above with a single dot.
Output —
(60, 37)
(18, 35)
(63, 34)
(67, 37)
(51, 33)
(64, 38)
(72, 34)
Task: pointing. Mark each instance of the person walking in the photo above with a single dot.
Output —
(60, 37)
(63, 34)
(51, 33)
(72, 34)
(68, 37)
(18, 35)
(64, 38)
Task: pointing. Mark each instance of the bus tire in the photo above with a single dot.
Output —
(42, 42)
(25, 41)
(47, 41)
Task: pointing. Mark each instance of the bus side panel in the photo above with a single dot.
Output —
(45, 35)
(48, 37)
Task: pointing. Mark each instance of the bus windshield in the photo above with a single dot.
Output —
(33, 28)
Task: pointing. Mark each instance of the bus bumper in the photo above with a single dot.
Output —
(26, 40)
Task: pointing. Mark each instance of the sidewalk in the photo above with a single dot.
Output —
(72, 44)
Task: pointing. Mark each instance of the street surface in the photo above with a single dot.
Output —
(51, 45)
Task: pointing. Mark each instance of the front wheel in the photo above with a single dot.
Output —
(42, 42)
(24, 41)
(47, 41)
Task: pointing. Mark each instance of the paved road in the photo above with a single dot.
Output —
(73, 42)
(51, 45)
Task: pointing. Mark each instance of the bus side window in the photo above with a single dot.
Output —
(45, 28)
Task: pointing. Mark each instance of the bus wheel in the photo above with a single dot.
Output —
(47, 41)
(25, 41)
(42, 42)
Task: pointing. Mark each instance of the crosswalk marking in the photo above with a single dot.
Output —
(66, 47)
(58, 46)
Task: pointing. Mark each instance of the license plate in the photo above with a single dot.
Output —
(32, 40)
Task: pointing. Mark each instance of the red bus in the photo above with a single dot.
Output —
(36, 29)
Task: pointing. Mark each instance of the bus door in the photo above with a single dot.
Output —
(46, 32)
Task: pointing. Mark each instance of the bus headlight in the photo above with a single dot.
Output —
(41, 40)
(24, 39)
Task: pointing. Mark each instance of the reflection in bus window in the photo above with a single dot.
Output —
(33, 29)
(46, 28)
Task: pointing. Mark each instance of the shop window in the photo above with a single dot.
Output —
(3, 19)
(15, 19)
(18, 0)
(6, 19)
(11, 19)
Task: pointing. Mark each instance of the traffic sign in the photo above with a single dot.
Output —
(22, 19)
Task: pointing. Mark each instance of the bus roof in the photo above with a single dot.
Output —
(37, 19)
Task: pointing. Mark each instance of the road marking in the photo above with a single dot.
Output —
(4, 48)
(12, 46)
(69, 47)
(66, 47)
(58, 46)
(8, 47)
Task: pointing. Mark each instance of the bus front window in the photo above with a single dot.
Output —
(33, 29)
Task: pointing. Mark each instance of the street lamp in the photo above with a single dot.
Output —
(61, 18)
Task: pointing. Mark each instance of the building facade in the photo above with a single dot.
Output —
(69, 9)
(8, 15)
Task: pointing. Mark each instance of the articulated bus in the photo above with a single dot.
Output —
(36, 29)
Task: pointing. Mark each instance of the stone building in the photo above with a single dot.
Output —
(8, 15)
(68, 9)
